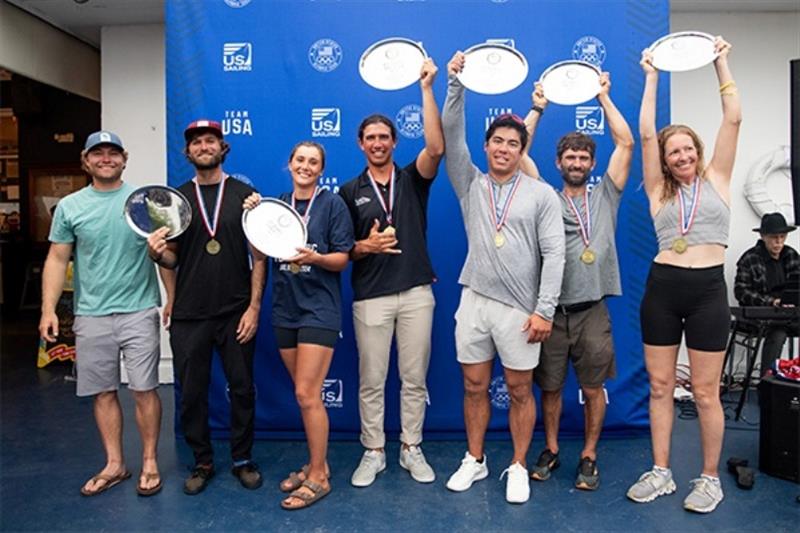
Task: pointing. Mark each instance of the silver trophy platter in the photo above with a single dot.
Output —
(682, 51)
(493, 68)
(274, 228)
(392, 64)
(570, 82)
(154, 206)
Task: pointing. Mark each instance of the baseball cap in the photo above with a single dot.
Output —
(203, 124)
(103, 137)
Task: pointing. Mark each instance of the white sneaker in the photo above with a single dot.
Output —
(651, 485)
(518, 490)
(372, 463)
(469, 472)
(705, 496)
(413, 460)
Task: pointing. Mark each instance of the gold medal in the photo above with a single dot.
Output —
(213, 247)
(499, 240)
(588, 256)
(679, 245)
(389, 230)
(294, 268)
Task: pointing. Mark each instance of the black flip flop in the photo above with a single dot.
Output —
(745, 477)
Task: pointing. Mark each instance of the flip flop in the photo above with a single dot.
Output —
(110, 481)
(745, 477)
(149, 476)
(293, 482)
(317, 493)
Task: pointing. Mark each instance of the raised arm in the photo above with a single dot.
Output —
(720, 168)
(538, 105)
(651, 158)
(428, 159)
(460, 168)
(619, 165)
(53, 276)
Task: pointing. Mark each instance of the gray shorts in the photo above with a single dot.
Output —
(583, 338)
(485, 327)
(98, 342)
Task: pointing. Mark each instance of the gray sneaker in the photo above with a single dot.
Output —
(413, 460)
(372, 463)
(650, 486)
(705, 496)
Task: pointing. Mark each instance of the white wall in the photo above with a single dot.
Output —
(134, 105)
(763, 44)
(39, 51)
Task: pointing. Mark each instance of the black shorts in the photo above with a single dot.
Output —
(291, 337)
(690, 300)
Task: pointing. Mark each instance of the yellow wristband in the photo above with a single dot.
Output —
(726, 85)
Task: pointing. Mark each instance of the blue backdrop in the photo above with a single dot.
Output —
(279, 71)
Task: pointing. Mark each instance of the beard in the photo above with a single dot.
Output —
(575, 181)
(210, 165)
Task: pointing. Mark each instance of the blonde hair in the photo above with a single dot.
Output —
(671, 184)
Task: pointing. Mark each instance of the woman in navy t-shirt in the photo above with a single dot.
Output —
(306, 311)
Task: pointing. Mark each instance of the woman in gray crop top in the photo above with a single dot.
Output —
(686, 293)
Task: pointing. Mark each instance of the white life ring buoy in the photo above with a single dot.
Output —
(755, 187)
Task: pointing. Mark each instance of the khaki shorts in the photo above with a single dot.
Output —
(583, 338)
(99, 341)
(485, 327)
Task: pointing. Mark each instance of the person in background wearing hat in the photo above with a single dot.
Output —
(213, 301)
(116, 309)
(762, 272)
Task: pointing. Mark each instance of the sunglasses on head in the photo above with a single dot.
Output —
(512, 116)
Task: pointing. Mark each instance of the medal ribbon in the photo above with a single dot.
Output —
(380, 196)
(211, 227)
(585, 228)
(498, 225)
(687, 221)
(310, 203)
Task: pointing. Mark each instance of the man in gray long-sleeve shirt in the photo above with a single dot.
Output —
(511, 281)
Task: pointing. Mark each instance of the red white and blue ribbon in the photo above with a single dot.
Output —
(585, 227)
(310, 203)
(387, 210)
(687, 219)
(211, 225)
(499, 219)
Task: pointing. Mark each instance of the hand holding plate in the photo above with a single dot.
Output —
(721, 47)
(157, 243)
(605, 84)
(305, 256)
(538, 99)
(251, 201)
(427, 73)
(647, 62)
(456, 64)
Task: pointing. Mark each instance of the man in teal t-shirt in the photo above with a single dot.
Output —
(116, 308)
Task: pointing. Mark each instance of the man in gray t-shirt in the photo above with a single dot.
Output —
(581, 327)
(511, 280)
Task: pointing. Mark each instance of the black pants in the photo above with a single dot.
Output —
(192, 343)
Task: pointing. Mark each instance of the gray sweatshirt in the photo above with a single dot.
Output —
(526, 271)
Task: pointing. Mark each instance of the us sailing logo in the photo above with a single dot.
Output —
(590, 119)
(326, 122)
(333, 393)
(237, 57)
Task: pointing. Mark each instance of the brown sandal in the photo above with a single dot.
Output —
(110, 481)
(293, 482)
(317, 493)
(148, 476)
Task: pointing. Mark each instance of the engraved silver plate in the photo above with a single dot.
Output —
(274, 228)
(392, 64)
(683, 50)
(154, 206)
(493, 68)
(570, 82)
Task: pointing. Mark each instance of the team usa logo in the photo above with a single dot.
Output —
(326, 122)
(409, 121)
(333, 393)
(493, 113)
(589, 49)
(329, 182)
(237, 122)
(590, 119)
(237, 3)
(498, 393)
(325, 55)
(237, 57)
(593, 181)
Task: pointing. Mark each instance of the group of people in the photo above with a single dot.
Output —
(539, 266)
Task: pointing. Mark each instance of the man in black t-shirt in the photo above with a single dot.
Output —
(388, 205)
(213, 301)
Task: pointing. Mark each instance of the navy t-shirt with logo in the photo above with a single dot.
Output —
(381, 274)
(313, 296)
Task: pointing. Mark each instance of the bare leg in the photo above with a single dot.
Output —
(108, 416)
(311, 366)
(706, 370)
(476, 404)
(148, 419)
(660, 362)
(594, 412)
(551, 411)
(522, 415)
